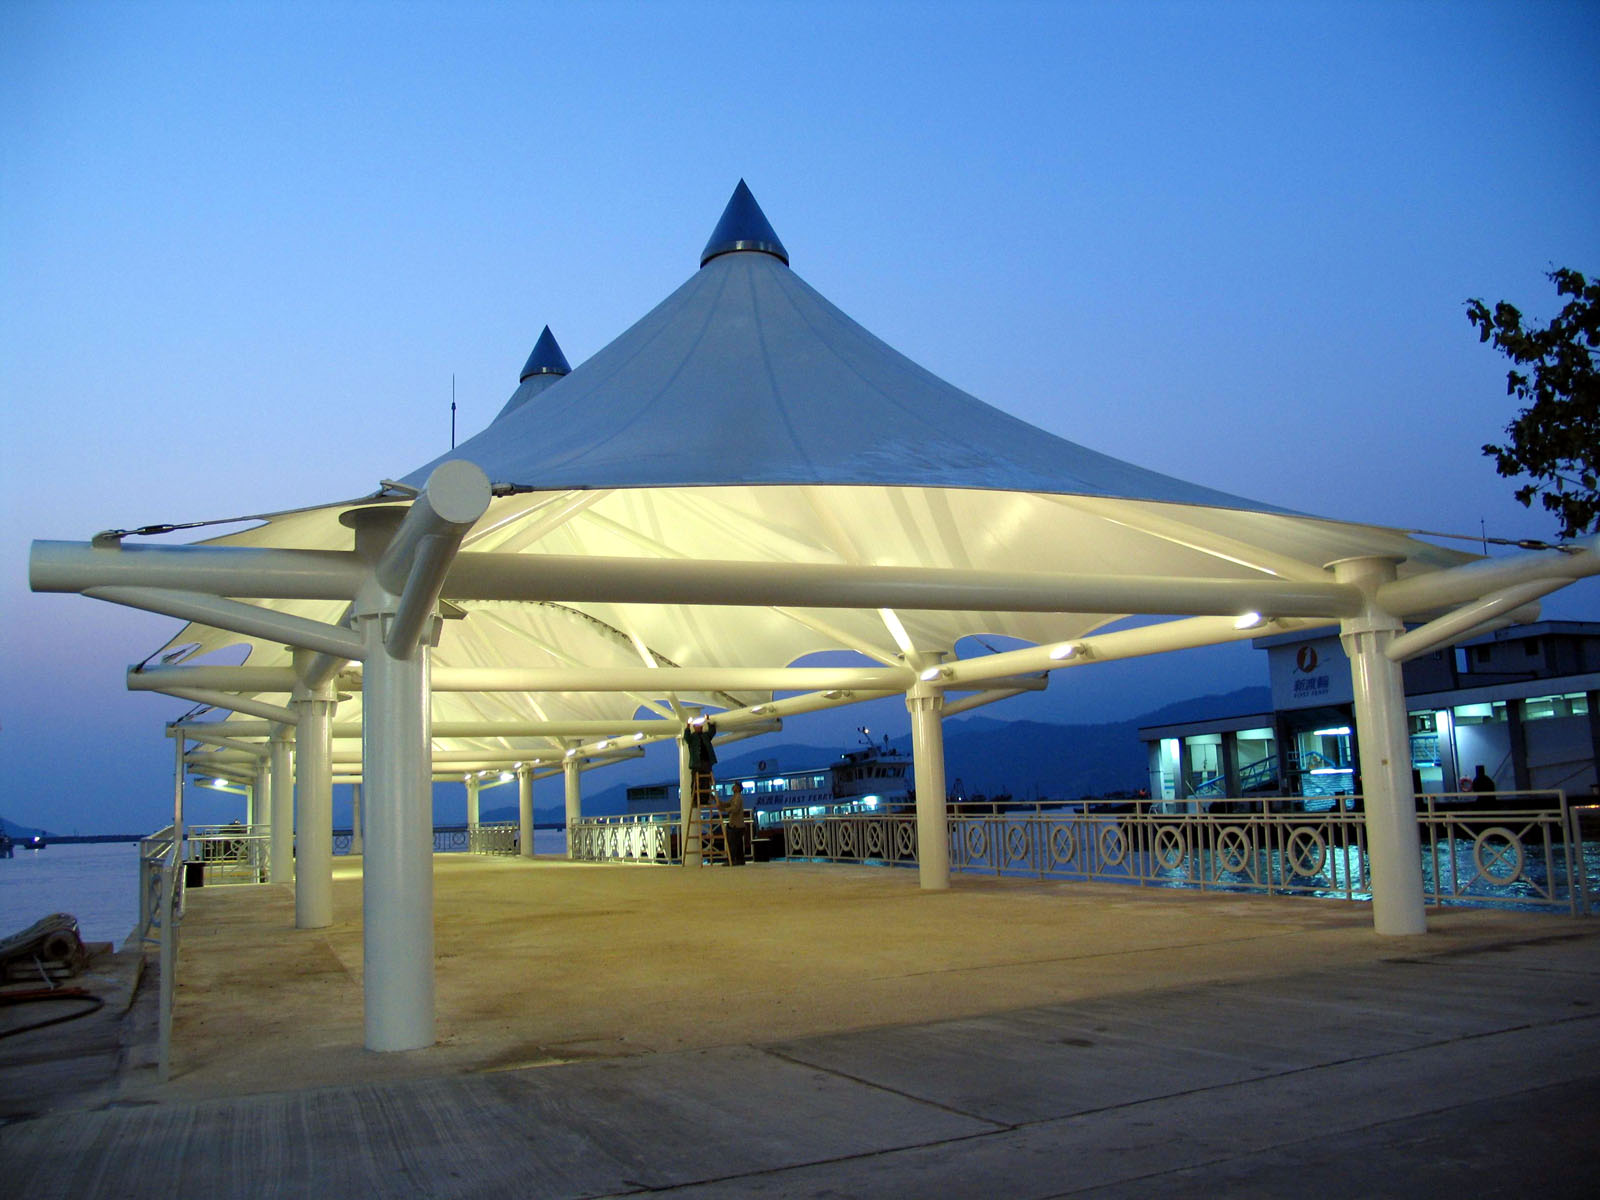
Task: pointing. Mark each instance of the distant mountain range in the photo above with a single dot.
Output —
(1022, 758)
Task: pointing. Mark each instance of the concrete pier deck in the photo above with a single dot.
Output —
(809, 1030)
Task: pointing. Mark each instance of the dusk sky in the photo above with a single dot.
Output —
(244, 248)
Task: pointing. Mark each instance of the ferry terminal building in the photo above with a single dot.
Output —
(1523, 702)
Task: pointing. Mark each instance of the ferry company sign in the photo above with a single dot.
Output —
(1309, 673)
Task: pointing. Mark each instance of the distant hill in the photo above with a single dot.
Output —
(21, 831)
(1022, 758)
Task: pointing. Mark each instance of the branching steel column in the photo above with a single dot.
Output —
(280, 807)
(394, 612)
(570, 773)
(925, 702)
(397, 871)
(525, 811)
(313, 794)
(1393, 848)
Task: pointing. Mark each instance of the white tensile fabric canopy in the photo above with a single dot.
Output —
(747, 419)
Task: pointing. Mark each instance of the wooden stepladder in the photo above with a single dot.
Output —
(707, 825)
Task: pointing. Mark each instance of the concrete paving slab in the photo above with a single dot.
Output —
(821, 1030)
(617, 1126)
(1199, 1141)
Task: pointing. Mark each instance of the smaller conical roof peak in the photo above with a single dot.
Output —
(546, 358)
(743, 227)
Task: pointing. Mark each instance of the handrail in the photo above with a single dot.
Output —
(161, 905)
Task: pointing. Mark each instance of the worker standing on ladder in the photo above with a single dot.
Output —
(697, 735)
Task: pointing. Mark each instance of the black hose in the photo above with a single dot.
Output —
(95, 1005)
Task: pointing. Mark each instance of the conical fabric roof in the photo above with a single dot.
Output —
(747, 418)
(545, 365)
(746, 374)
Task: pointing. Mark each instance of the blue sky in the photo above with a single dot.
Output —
(244, 247)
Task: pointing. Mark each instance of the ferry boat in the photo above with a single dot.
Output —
(875, 778)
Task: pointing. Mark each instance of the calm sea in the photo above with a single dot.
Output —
(99, 884)
(96, 882)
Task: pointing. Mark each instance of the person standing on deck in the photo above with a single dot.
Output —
(733, 815)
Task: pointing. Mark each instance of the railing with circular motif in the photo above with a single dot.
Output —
(1527, 856)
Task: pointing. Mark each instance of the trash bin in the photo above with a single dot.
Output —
(194, 874)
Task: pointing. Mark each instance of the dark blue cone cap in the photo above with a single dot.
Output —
(546, 358)
(743, 227)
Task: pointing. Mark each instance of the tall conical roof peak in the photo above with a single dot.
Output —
(743, 227)
(546, 358)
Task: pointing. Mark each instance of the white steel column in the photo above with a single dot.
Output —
(1384, 744)
(313, 777)
(256, 796)
(925, 702)
(397, 615)
(525, 811)
(691, 858)
(280, 807)
(355, 819)
(472, 804)
(397, 871)
(569, 770)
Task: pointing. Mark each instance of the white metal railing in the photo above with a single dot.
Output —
(161, 896)
(642, 838)
(228, 854)
(495, 838)
(1524, 851)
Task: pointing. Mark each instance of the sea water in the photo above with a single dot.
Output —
(97, 882)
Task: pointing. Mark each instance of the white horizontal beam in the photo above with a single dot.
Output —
(791, 706)
(224, 679)
(667, 679)
(321, 574)
(248, 619)
(755, 728)
(270, 713)
(574, 578)
(213, 570)
(1187, 634)
(349, 730)
(206, 737)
